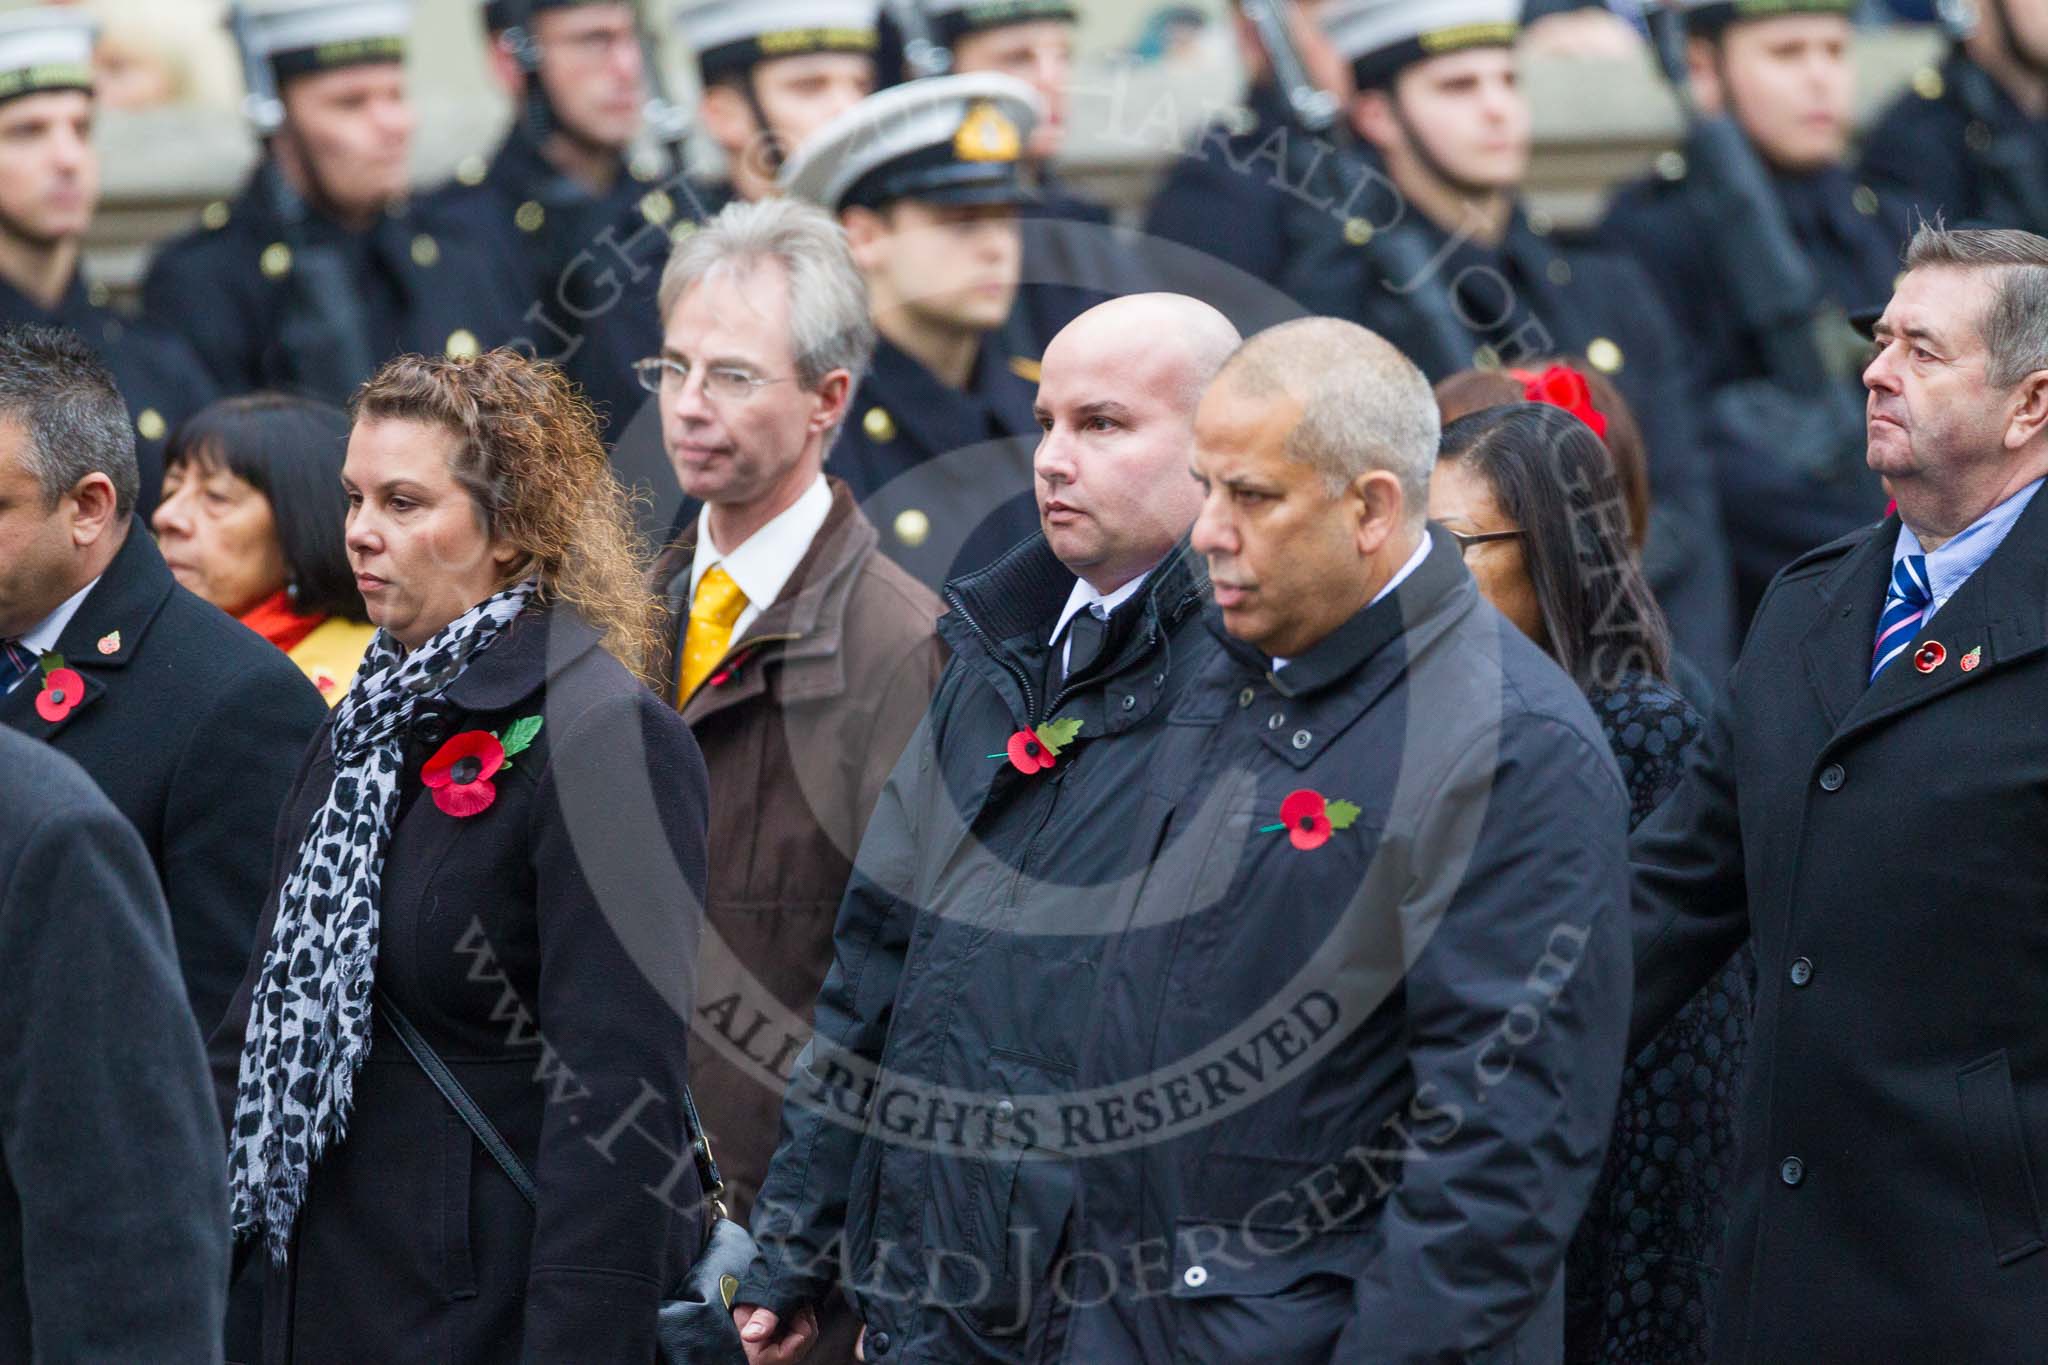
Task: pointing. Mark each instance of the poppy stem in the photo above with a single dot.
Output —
(998, 755)
(1272, 829)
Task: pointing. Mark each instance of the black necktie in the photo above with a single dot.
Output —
(1085, 635)
(16, 663)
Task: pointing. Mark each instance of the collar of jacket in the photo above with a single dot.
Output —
(74, 307)
(118, 612)
(939, 419)
(1341, 653)
(1000, 617)
(520, 170)
(803, 628)
(542, 643)
(2002, 607)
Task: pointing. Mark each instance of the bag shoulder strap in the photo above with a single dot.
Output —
(479, 1123)
(459, 1100)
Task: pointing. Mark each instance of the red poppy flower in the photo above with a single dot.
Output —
(1307, 818)
(62, 690)
(460, 773)
(1029, 754)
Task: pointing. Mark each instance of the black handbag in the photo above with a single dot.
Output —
(695, 1327)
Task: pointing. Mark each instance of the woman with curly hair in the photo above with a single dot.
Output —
(495, 854)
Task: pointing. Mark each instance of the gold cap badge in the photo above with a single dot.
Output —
(987, 134)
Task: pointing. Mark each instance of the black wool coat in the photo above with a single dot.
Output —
(543, 947)
(1346, 1085)
(192, 725)
(112, 1245)
(1881, 846)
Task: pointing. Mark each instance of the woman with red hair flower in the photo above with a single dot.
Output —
(535, 918)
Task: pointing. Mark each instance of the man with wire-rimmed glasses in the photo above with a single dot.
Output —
(801, 658)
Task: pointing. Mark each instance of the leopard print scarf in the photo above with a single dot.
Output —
(309, 1017)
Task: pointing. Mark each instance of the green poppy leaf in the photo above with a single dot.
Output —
(519, 735)
(1056, 735)
(1342, 814)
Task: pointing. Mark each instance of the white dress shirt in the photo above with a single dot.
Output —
(51, 628)
(1085, 598)
(763, 563)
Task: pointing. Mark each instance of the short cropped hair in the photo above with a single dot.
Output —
(2015, 326)
(62, 395)
(829, 324)
(1365, 406)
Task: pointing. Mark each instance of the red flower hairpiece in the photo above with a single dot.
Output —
(1561, 386)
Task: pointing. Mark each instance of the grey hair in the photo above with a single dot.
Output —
(829, 324)
(2015, 325)
(74, 422)
(1365, 406)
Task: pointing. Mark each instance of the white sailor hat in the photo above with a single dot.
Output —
(1382, 37)
(302, 36)
(730, 37)
(1708, 17)
(953, 19)
(45, 48)
(943, 140)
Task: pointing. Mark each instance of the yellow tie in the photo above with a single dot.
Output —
(717, 606)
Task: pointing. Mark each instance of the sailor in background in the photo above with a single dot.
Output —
(321, 268)
(926, 178)
(49, 191)
(1970, 140)
(563, 187)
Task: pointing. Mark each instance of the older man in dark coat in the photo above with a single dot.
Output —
(113, 1245)
(190, 722)
(1868, 812)
(970, 931)
(1354, 1049)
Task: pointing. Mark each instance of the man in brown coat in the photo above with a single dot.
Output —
(800, 656)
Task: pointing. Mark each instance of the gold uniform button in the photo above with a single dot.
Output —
(463, 345)
(471, 171)
(1560, 271)
(1865, 201)
(1357, 231)
(1604, 356)
(1928, 84)
(97, 294)
(683, 231)
(150, 425)
(879, 426)
(1671, 165)
(1486, 358)
(276, 261)
(215, 215)
(426, 252)
(657, 208)
(529, 216)
(643, 167)
(912, 526)
(1541, 223)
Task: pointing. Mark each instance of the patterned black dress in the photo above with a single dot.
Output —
(1642, 1272)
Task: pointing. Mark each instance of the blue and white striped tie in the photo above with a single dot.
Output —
(1905, 607)
(16, 662)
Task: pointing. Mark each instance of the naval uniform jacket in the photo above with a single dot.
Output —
(944, 475)
(161, 380)
(1348, 1088)
(1944, 147)
(418, 284)
(192, 724)
(1881, 846)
